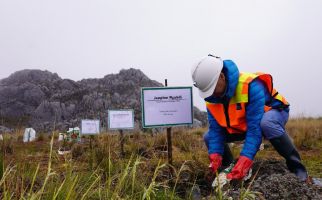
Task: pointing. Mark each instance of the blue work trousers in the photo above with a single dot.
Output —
(272, 126)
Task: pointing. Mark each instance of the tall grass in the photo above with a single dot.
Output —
(306, 132)
(36, 171)
(121, 179)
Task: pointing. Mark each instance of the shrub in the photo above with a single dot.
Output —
(41, 137)
(77, 151)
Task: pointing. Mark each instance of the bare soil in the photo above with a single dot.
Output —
(274, 181)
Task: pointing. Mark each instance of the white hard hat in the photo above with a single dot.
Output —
(205, 74)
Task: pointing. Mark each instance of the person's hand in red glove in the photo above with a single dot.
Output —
(241, 168)
(215, 161)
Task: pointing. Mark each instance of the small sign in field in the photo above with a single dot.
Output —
(90, 127)
(121, 119)
(166, 106)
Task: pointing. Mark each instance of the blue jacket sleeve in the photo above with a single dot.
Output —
(216, 136)
(254, 114)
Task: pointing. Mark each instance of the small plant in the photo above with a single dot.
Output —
(246, 194)
(151, 190)
(199, 131)
(41, 137)
(7, 144)
(77, 151)
(1, 164)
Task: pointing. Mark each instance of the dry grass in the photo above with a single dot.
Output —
(306, 133)
(35, 171)
(97, 171)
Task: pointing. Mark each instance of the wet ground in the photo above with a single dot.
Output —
(273, 182)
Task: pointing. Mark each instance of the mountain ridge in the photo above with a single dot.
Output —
(42, 99)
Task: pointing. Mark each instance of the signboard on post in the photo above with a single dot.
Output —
(121, 119)
(166, 106)
(90, 127)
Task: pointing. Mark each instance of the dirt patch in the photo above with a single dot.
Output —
(274, 181)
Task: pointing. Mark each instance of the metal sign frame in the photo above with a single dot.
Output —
(99, 127)
(126, 128)
(164, 88)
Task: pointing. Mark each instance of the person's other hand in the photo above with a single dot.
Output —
(241, 168)
(215, 161)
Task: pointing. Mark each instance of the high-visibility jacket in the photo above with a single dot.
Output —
(232, 115)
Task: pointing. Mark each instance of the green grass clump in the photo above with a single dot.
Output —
(95, 168)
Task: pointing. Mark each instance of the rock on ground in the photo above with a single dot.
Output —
(275, 182)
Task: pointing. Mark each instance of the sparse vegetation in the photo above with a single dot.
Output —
(306, 133)
(96, 171)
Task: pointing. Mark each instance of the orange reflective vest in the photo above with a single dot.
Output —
(232, 115)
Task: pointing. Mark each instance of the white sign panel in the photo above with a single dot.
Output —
(90, 127)
(168, 106)
(120, 119)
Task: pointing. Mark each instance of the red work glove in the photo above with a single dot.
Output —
(215, 161)
(241, 168)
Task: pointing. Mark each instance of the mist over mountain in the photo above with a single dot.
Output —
(42, 99)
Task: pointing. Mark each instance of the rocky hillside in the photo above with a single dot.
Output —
(42, 99)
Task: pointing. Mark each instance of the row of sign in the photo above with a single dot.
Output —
(162, 106)
(118, 119)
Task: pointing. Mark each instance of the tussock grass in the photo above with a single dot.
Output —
(306, 132)
(96, 170)
(109, 177)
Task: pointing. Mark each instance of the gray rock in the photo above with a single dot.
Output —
(201, 116)
(51, 111)
(195, 193)
(196, 123)
(4, 129)
(317, 181)
(43, 100)
(30, 76)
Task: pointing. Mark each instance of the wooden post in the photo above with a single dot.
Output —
(92, 153)
(90, 142)
(3, 166)
(169, 139)
(169, 136)
(122, 143)
(29, 135)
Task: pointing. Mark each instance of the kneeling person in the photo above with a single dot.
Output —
(243, 106)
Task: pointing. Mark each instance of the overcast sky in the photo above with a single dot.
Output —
(91, 38)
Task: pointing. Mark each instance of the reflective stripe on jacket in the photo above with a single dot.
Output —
(232, 115)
